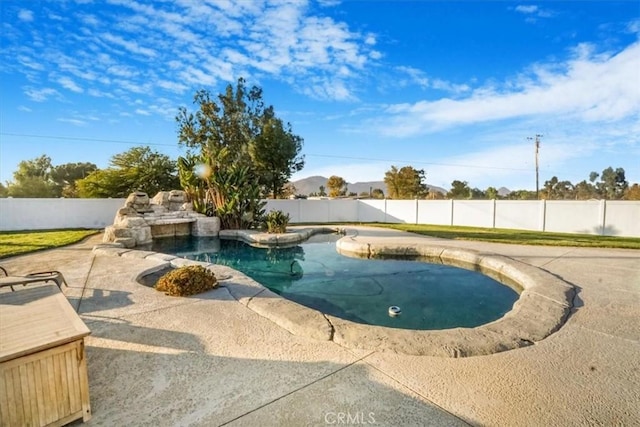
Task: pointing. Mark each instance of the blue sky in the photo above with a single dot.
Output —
(452, 87)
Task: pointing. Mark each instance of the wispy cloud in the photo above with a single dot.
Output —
(132, 47)
(415, 76)
(25, 15)
(533, 12)
(69, 84)
(526, 8)
(589, 87)
(41, 95)
(75, 122)
(173, 86)
(157, 49)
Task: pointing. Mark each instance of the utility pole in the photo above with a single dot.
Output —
(537, 148)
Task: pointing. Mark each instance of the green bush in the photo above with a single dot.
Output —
(276, 222)
(185, 281)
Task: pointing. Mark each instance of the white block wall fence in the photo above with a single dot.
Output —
(601, 217)
(47, 214)
(611, 218)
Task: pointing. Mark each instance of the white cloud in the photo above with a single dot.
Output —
(142, 112)
(75, 122)
(132, 47)
(41, 95)
(25, 15)
(69, 84)
(420, 78)
(526, 8)
(100, 94)
(323, 89)
(329, 3)
(88, 19)
(30, 63)
(134, 87)
(172, 86)
(593, 88)
(122, 71)
(533, 12)
(25, 109)
(196, 77)
(200, 44)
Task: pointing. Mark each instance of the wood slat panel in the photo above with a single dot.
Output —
(45, 313)
(43, 370)
(45, 388)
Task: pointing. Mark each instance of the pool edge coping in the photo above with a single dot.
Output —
(542, 308)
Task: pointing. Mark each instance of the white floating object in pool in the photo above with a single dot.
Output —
(394, 311)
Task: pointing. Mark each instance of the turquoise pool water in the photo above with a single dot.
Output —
(431, 296)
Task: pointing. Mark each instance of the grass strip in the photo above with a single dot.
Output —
(14, 243)
(520, 237)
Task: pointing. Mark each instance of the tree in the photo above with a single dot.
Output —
(435, 195)
(337, 186)
(139, 168)
(632, 193)
(66, 175)
(477, 193)
(377, 193)
(3, 190)
(612, 183)
(40, 167)
(275, 156)
(405, 183)
(239, 143)
(554, 189)
(40, 178)
(491, 193)
(33, 179)
(289, 190)
(585, 190)
(459, 190)
(32, 186)
(321, 191)
(522, 195)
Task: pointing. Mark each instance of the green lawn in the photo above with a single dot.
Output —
(21, 242)
(517, 236)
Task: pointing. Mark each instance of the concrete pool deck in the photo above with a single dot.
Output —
(209, 360)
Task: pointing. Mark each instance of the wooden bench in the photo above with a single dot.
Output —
(43, 368)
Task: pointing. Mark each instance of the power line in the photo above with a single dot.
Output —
(115, 141)
(72, 138)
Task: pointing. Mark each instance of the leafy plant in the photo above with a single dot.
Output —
(276, 222)
(192, 183)
(185, 281)
(242, 147)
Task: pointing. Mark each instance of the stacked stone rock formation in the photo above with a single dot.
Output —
(167, 214)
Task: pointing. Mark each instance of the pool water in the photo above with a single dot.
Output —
(431, 296)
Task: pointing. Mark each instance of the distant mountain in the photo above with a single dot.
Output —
(503, 191)
(310, 185)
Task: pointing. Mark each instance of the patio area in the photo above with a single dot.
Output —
(210, 360)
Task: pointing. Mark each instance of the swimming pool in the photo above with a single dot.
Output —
(431, 296)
